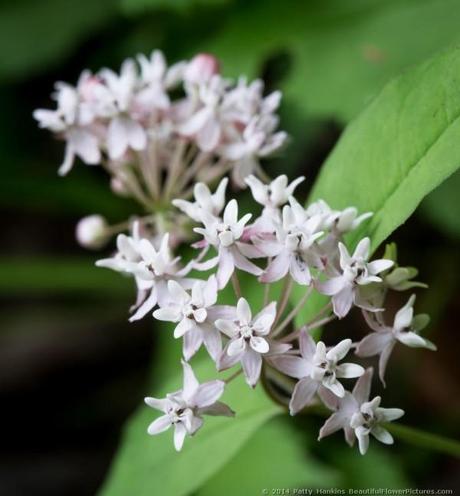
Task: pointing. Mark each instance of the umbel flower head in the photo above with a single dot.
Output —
(168, 136)
(304, 246)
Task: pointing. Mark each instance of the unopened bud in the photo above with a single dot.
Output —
(91, 232)
(201, 68)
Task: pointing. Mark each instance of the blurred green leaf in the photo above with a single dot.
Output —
(399, 149)
(378, 468)
(34, 34)
(341, 52)
(80, 194)
(442, 208)
(135, 6)
(275, 457)
(38, 275)
(148, 465)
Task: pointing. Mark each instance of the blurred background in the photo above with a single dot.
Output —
(71, 367)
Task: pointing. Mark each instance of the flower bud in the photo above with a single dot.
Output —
(201, 68)
(118, 187)
(91, 232)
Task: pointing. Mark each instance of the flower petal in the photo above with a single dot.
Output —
(243, 312)
(236, 347)
(339, 351)
(349, 370)
(382, 435)
(159, 425)
(303, 395)
(252, 366)
(190, 381)
(168, 314)
(192, 342)
(277, 269)
(291, 365)
(373, 344)
(228, 327)
(342, 302)
(179, 435)
(208, 393)
(259, 344)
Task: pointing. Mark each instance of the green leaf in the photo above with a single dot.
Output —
(289, 466)
(35, 34)
(38, 275)
(146, 465)
(399, 149)
(135, 6)
(340, 53)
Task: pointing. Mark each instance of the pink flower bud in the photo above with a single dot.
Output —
(91, 232)
(201, 68)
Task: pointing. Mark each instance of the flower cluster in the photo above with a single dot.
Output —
(284, 242)
(157, 128)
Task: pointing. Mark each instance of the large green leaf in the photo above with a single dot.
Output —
(400, 148)
(146, 465)
(292, 466)
(341, 53)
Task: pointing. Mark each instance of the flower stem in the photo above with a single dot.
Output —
(425, 439)
(286, 293)
(233, 376)
(236, 285)
(293, 312)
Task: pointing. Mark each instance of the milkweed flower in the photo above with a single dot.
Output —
(184, 409)
(405, 329)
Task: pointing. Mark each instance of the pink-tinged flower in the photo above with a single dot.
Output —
(292, 248)
(317, 369)
(195, 314)
(356, 272)
(205, 201)
(71, 122)
(343, 221)
(201, 69)
(258, 139)
(185, 408)
(404, 330)
(224, 235)
(206, 125)
(359, 417)
(249, 340)
(154, 82)
(123, 132)
(151, 268)
(275, 194)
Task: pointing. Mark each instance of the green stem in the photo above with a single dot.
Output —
(425, 439)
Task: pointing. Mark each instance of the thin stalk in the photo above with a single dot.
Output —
(129, 179)
(322, 310)
(293, 312)
(308, 327)
(236, 285)
(174, 170)
(191, 170)
(286, 293)
(425, 439)
(266, 293)
(233, 376)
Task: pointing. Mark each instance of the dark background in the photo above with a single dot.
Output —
(71, 367)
